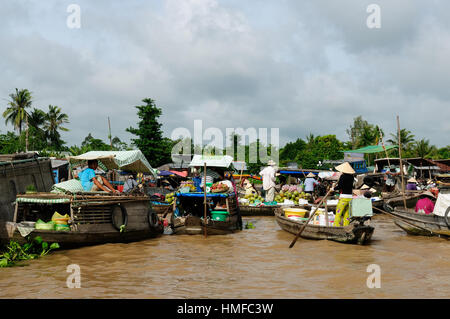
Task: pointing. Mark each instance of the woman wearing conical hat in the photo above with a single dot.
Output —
(345, 186)
(411, 184)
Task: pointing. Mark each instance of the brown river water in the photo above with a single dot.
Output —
(254, 263)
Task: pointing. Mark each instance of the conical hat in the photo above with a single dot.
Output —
(373, 190)
(271, 163)
(365, 187)
(412, 180)
(345, 168)
(310, 175)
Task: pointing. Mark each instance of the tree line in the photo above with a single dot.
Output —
(38, 130)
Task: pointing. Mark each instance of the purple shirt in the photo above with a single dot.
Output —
(411, 187)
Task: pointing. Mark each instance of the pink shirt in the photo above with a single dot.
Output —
(424, 205)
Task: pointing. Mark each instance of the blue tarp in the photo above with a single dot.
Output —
(203, 195)
(297, 172)
(165, 173)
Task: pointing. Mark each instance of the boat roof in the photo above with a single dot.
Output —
(133, 161)
(224, 161)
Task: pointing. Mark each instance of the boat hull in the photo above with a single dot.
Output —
(420, 224)
(93, 226)
(353, 234)
(193, 225)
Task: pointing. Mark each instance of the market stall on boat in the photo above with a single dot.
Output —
(71, 216)
(214, 211)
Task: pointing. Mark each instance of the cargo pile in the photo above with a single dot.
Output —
(294, 196)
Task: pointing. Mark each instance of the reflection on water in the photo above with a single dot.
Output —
(254, 263)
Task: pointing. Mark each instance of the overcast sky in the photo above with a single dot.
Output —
(302, 66)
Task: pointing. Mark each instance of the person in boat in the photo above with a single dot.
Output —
(92, 182)
(390, 180)
(411, 184)
(211, 177)
(345, 186)
(310, 182)
(268, 177)
(129, 184)
(424, 205)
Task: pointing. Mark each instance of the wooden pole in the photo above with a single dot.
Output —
(310, 217)
(384, 147)
(110, 137)
(204, 203)
(26, 139)
(400, 158)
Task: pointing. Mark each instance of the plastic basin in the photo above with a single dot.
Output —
(219, 215)
(295, 212)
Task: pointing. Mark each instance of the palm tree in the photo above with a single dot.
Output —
(423, 149)
(53, 121)
(15, 113)
(406, 138)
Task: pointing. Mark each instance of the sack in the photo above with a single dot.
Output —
(45, 226)
(60, 219)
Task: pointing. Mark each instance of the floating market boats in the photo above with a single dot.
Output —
(94, 217)
(222, 209)
(355, 233)
(414, 223)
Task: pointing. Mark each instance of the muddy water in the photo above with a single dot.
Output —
(254, 263)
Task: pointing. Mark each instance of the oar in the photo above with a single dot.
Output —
(310, 217)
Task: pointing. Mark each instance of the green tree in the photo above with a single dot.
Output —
(54, 120)
(361, 133)
(150, 140)
(407, 141)
(291, 150)
(36, 132)
(16, 112)
(422, 148)
(118, 145)
(326, 147)
(94, 144)
(443, 153)
(9, 143)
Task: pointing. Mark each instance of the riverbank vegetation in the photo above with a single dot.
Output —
(44, 127)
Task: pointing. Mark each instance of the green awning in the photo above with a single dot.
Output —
(43, 200)
(371, 149)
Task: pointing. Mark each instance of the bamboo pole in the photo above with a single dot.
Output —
(400, 158)
(384, 147)
(204, 202)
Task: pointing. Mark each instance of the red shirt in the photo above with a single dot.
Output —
(426, 205)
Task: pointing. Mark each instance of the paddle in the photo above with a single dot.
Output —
(310, 217)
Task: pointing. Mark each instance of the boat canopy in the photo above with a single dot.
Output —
(224, 161)
(133, 161)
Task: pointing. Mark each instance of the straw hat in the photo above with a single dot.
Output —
(310, 175)
(373, 190)
(345, 168)
(412, 180)
(271, 163)
(365, 187)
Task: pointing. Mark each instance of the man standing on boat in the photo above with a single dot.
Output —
(345, 185)
(92, 182)
(268, 177)
(310, 182)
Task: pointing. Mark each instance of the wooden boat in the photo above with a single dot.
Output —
(94, 218)
(247, 210)
(187, 216)
(417, 223)
(355, 233)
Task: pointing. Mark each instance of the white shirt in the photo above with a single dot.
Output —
(268, 176)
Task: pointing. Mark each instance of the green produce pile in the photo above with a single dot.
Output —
(252, 199)
(170, 198)
(293, 196)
